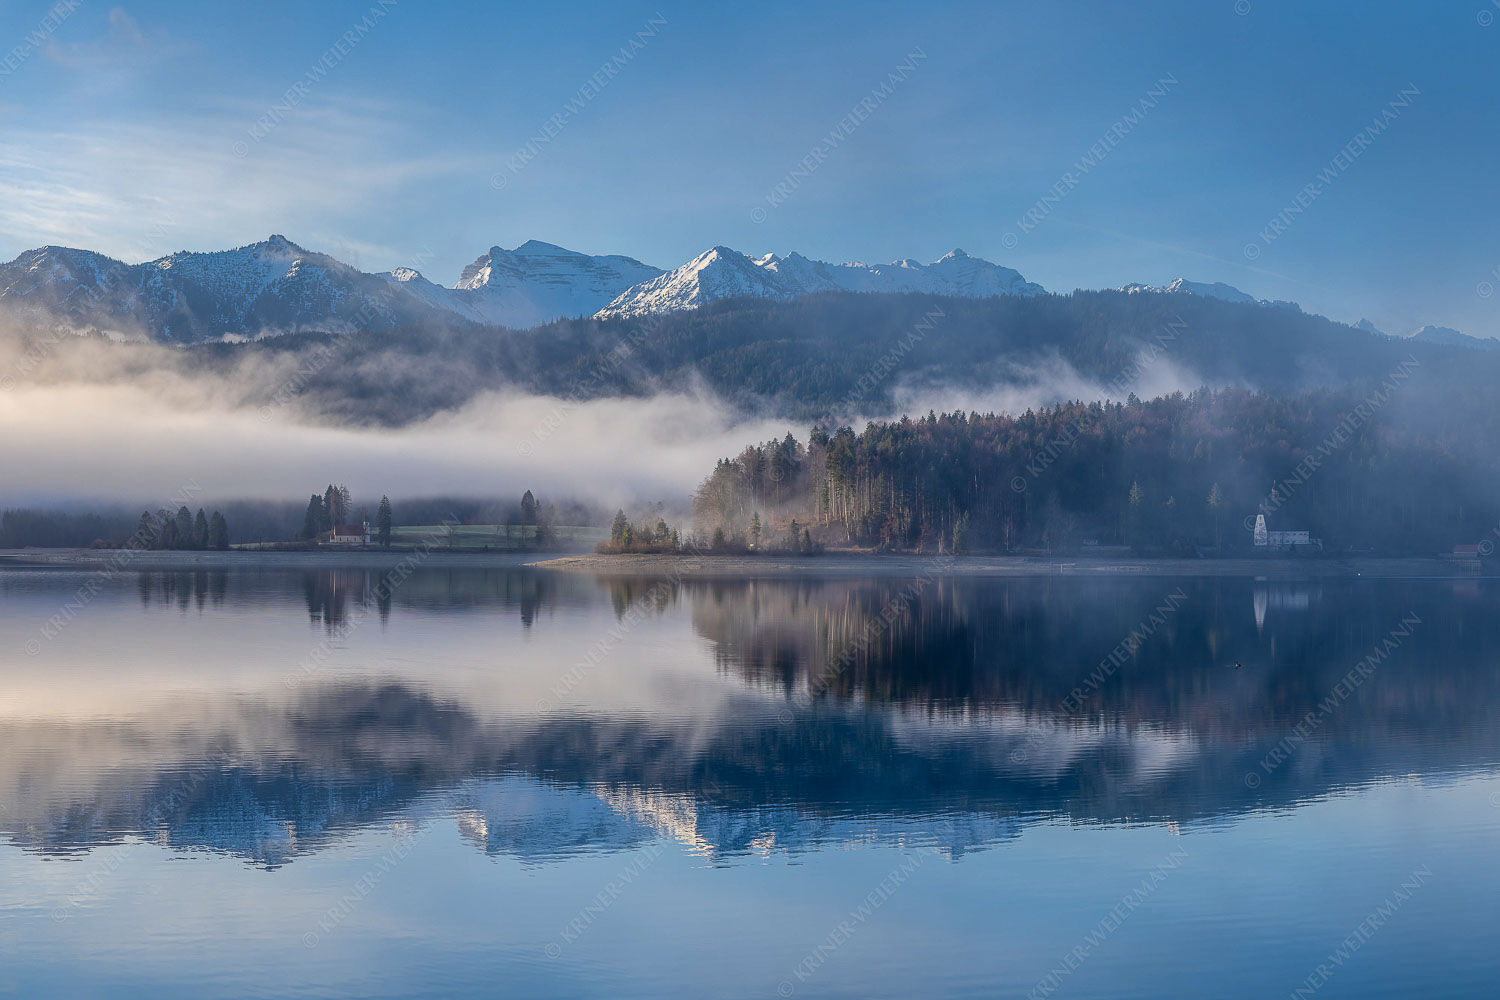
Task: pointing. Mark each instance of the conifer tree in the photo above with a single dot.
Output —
(312, 521)
(218, 533)
(145, 532)
(383, 522)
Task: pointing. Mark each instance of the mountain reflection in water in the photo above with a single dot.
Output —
(951, 714)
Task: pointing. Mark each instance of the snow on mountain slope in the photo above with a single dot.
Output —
(1447, 335)
(71, 285)
(412, 283)
(718, 273)
(724, 273)
(537, 282)
(1211, 290)
(802, 276)
(973, 277)
(273, 286)
(276, 286)
(1182, 286)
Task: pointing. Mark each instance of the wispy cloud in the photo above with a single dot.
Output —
(101, 186)
(110, 57)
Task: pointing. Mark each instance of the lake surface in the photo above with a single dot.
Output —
(497, 783)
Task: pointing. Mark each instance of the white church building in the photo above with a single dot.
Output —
(1278, 540)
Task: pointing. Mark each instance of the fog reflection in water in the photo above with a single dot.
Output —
(551, 715)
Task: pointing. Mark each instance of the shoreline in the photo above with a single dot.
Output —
(123, 560)
(871, 564)
(847, 564)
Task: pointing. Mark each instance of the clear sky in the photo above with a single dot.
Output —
(156, 126)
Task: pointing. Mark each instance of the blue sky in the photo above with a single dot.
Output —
(132, 129)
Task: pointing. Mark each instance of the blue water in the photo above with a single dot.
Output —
(506, 783)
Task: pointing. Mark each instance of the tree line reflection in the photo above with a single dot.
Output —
(852, 709)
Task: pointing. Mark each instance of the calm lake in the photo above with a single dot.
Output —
(509, 783)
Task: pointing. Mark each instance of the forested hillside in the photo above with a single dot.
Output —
(1176, 474)
(829, 357)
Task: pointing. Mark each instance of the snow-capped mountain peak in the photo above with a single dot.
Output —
(1447, 335)
(1205, 289)
(537, 282)
(720, 273)
(1182, 286)
(277, 286)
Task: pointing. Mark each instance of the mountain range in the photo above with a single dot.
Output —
(722, 273)
(278, 287)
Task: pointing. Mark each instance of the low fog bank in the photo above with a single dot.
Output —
(86, 420)
(1047, 383)
(254, 429)
(119, 441)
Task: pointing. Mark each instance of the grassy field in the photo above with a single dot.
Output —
(495, 537)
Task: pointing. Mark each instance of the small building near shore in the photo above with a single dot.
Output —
(1281, 541)
(346, 534)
